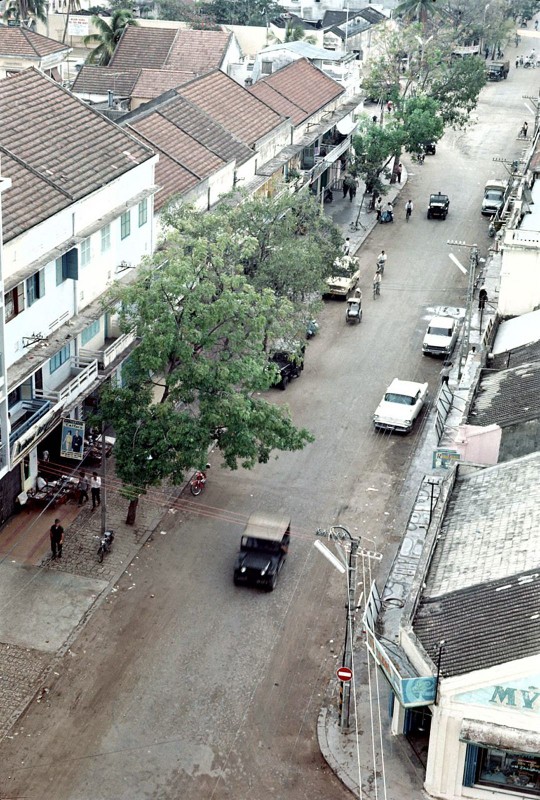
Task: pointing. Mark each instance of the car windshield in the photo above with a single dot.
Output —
(268, 545)
(493, 195)
(438, 198)
(402, 399)
(439, 331)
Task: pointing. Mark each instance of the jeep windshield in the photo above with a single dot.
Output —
(493, 195)
(266, 545)
(401, 399)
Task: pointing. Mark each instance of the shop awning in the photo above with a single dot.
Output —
(346, 126)
(488, 734)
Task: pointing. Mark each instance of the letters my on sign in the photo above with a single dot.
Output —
(523, 695)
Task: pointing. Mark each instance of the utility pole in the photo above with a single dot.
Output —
(103, 480)
(466, 335)
(340, 534)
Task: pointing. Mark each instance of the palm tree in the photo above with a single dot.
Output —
(26, 11)
(418, 9)
(293, 33)
(108, 36)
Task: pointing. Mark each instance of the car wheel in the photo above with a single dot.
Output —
(273, 583)
(429, 214)
(236, 581)
(284, 382)
(444, 216)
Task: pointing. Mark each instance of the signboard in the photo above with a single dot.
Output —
(518, 694)
(72, 444)
(78, 26)
(411, 691)
(444, 458)
(344, 674)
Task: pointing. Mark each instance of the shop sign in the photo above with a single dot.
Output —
(444, 458)
(521, 695)
(77, 25)
(411, 692)
(72, 445)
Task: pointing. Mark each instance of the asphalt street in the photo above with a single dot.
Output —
(181, 684)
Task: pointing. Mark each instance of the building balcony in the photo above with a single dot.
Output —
(84, 373)
(110, 354)
(32, 412)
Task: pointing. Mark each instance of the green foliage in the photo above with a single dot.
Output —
(108, 35)
(205, 332)
(241, 12)
(26, 11)
(419, 10)
(373, 145)
(421, 122)
(456, 88)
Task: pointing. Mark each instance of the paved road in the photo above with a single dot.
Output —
(183, 685)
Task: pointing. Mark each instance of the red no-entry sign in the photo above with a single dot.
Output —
(344, 674)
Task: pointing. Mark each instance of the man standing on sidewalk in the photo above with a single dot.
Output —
(95, 486)
(445, 372)
(83, 488)
(57, 539)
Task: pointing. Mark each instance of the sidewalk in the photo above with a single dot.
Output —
(356, 757)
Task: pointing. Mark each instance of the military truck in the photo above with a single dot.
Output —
(498, 70)
(263, 549)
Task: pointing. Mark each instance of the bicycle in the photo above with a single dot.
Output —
(376, 289)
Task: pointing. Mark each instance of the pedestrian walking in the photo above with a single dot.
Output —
(95, 488)
(445, 372)
(352, 189)
(57, 539)
(83, 488)
(408, 209)
(517, 62)
(346, 247)
(347, 181)
(390, 210)
(399, 170)
(378, 207)
(524, 129)
(536, 24)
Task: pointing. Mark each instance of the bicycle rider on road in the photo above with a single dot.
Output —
(377, 283)
(381, 262)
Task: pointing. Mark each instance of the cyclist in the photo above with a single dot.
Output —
(408, 209)
(376, 284)
(381, 262)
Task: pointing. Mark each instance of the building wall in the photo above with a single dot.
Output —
(519, 290)
(270, 145)
(486, 696)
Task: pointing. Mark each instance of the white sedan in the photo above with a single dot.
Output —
(400, 406)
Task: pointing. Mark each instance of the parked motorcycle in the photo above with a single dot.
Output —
(198, 482)
(105, 544)
(386, 216)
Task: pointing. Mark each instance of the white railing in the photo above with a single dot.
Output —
(86, 374)
(108, 355)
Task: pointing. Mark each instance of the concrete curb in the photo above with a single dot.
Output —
(326, 752)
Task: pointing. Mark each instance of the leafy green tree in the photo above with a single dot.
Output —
(241, 12)
(419, 10)
(205, 333)
(373, 146)
(108, 35)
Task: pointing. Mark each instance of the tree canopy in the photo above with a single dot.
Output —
(108, 35)
(209, 308)
(241, 12)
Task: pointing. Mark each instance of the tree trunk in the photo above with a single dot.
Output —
(132, 511)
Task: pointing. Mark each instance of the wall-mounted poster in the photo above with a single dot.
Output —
(72, 445)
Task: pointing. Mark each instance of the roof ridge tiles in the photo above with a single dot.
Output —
(36, 172)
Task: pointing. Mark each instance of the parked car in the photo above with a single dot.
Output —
(494, 194)
(430, 148)
(263, 550)
(441, 336)
(497, 70)
(346, 277)
(438, 206)
(400, 405)
(289, 359)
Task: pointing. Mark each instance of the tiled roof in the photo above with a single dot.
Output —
(232, 106)
(297, 90)
(524, 354)
(153, 82)
(143, 47)
(24, 43)
(55, 149)
(191, 145)
(508, 396)
(196, 52)
(100, 80)
(483, 625)
(490, 529)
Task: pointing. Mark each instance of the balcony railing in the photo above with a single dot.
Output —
(83, 373)
(108, 354)
(33, 410)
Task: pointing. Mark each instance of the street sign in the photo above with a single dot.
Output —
(344, 674)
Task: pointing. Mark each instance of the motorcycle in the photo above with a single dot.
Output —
(105, 544)
(311, 328)
(198, 482)
(492, 229)
(386, 216)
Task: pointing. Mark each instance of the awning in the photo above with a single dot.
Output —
(488, 734)
(346, 126)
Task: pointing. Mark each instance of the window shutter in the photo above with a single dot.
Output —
(41, 274)
(70, 262)
(471, 760)
(20, 297)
